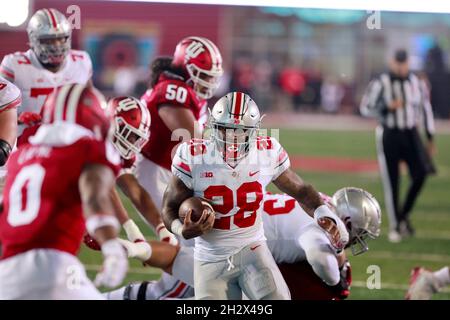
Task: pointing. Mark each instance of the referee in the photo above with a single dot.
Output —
(400, 101)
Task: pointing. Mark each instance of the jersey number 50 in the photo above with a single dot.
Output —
(239, 219)
(177, 93)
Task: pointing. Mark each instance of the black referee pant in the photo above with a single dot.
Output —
(393, 146)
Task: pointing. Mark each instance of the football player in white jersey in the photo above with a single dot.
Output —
(9, 101)
(312, 268)
(232, 169)
(48, 63)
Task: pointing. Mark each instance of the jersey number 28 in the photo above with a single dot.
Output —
(240, 219)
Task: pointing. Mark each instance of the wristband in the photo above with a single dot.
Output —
(101, 220)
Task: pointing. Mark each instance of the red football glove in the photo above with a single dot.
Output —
(91, 242)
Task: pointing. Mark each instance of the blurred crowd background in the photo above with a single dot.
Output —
(298, 60)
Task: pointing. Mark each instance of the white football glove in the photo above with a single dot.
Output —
(115, 265)
(132, 231)
(325, 212)
(165, 235)
(140, 250)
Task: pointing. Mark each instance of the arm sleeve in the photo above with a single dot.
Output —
(372, 100)
(181, 165)
(427, 110)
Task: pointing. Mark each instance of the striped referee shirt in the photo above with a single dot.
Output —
(414, 94)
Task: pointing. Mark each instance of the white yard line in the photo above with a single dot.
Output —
(390, 286)
(425, 257)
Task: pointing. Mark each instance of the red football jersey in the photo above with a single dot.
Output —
(175, 92)
(42, 205)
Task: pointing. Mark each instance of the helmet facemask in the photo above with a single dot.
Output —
(205, 83)
(358, 244)
(127, 139)
(52, 50)
(233, 142)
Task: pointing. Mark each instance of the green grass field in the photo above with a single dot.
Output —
(431, 217)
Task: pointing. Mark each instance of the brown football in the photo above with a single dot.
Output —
(197, 205)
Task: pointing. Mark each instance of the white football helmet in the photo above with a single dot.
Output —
(234, 121)
(361, 214)
(44, 26)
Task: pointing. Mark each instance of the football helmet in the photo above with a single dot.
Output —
(49, 33)
(199, 58)
(132, 125)
(234, 122)
(361, 214)
(81, 105)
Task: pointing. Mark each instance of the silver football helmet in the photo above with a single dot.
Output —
(361, 214)
(49, 33)
(234, 121)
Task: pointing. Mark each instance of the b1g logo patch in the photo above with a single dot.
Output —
(207, 174)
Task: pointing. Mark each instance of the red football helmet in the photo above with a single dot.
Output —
(132, 125)
(201, 60)
(78, 104)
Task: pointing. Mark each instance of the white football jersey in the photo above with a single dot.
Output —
(36, 82)
(284, 222)
(9, 98)
(236, 193)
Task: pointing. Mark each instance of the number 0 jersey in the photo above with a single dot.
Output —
(42, 205)
(236, 193)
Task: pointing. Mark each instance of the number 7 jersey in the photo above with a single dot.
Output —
(36, 83)
(235, 193)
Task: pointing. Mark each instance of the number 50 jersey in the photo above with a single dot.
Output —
(236, 193)
(171, 90)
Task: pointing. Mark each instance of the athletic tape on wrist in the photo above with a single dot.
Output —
(101, 220)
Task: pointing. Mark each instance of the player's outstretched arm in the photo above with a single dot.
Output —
(176, 118)
(308, 198)
(140, 198)
(95, 184)
(143, 202)
(311, 201)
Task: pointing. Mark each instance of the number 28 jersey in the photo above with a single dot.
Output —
(236, 193)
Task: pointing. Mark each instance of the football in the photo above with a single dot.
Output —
(197, 205)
